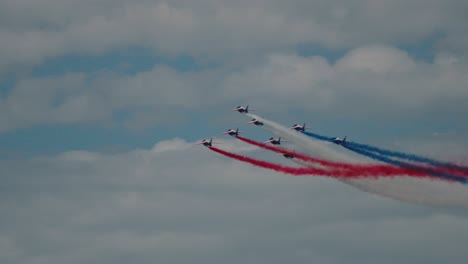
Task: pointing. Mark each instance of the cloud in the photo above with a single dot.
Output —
(370, 82)
(254, 63)
(85, 98)
(78, 156)
(176, 202)
(377, 59)
(181, 203)
(168, 145)
(199, 29)
(62, 99)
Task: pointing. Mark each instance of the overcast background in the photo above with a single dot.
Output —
(101, 102)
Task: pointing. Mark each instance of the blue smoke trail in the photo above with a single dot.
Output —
(406, 156)
(408, 165)
(317, 136)
(391, 153)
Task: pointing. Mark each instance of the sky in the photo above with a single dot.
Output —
(101, 103)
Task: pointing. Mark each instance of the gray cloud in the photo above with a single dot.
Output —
(379, 78)
(369, 81)
(219, 29)
(176, 203)
(63, 99)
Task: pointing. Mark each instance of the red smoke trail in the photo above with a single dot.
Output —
(336, 173)
(424, 163)
(296, 155)
(335, 165)
(454, 171)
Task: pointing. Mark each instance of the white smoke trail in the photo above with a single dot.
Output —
(313, 147)
(409, 189)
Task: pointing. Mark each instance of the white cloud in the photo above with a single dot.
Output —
(367, 82)
(78, 98)
(377, 59)
(218, 29)
(254, 61)
(62, 99)
(179, 203)
(78, 156)
(189, 204)
(171, 145)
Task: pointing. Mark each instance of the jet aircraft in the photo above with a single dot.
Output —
(232, 132)
(298, 127)
(241, 109)
(339, 141)
(256, 122)
(206, 142)
(274, 141)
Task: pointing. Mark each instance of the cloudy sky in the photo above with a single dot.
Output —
(101, 102)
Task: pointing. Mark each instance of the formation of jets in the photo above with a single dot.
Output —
(274, 141)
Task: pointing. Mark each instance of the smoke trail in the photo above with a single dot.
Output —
(360, 184)
(408, 189)
(317, 136)
(434, 170)
(335, 173)
(295, 154)
(408, 156)
(451, 167)
(362, 168)
(271, 166)
(302, 141)
(430, 171)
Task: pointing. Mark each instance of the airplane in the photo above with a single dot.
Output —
(241, 109)
(339, 141)
(256, 122)
(298, 127)
(232, 132)
(274, 141)
(206, 142)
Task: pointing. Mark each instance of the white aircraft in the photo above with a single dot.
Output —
(339, 141)
(206, 142)
(274, 141)
(256, 122)
(232, 132)
(241, 109)
(298, 127)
